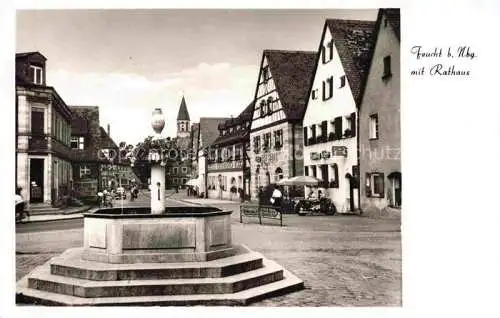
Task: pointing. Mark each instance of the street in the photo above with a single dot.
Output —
(343, 260)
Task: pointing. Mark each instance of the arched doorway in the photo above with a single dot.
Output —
(268, 178)
(350, 182)
(395, 189)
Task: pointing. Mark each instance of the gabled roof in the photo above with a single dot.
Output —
(25, 54)
(183, 111)
(292, 73)
(208, 129)
(353, 40)
(105, 141)
(394, 18)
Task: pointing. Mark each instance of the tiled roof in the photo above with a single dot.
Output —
(106, 142)
(25, 54)
(394, 17)
(79, 125)
(354, 42)
(208, 129)
(232, 138)
(243, 117)
(183, 111)
(292, 72)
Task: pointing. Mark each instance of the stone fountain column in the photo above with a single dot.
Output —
(158, 186)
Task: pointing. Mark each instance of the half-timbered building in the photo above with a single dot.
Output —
(276, 139)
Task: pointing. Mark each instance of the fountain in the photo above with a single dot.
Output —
(156, 255)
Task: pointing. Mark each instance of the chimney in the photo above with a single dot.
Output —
(108, 131)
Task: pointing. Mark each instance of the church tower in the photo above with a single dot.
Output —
(183, 122)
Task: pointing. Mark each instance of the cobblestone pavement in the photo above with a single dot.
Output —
(343, 260)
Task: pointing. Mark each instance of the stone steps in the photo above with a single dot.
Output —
(43, 280)
(289, 283)
(70, 264)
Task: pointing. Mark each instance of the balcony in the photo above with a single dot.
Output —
(38, 143)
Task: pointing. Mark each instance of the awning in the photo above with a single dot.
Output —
(193, 183)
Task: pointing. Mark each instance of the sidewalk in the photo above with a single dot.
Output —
(62, 214)
(201, 201)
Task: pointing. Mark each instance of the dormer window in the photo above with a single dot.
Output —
(36, 74)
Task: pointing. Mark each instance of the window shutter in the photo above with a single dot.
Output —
(306, 170)
(323, 53)
(338, 128)
(313, 132)
(324, 126)
(353, 124)
(382, 194)
(368, 188)
(336, 175)
(305, 136)
(324, 90)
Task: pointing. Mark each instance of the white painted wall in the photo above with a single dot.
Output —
(341, 104)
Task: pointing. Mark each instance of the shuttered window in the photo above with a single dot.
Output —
(338, 128)
(305, 136)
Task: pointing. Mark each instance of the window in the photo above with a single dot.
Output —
(324, 175)
(278, 174)
(327, 52)
(84, 171)
(267, 141)
(262, 106)
(306, 170)
(278, 139)
(387, 67)
(256, 144)
(36, 74)
(269, 105)
(314, 94)
(313, 170)
(342, 81)
(184, 170)
(265, 74)
(350, 129)
(374, 126)
(328, 88)
(374, 185)
(37, 121)
(175, 170)
(77, 142)
(312, 139)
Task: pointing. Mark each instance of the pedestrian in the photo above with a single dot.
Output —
(276, 197)
(20, 205)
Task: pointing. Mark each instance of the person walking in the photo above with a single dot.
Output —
(276, 197)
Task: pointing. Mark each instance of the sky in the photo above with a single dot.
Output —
(129, 62)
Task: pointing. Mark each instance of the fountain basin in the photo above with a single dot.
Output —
(134, 235)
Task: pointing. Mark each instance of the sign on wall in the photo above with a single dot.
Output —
(339, 151)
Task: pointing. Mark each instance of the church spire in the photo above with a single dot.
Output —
(183, 112)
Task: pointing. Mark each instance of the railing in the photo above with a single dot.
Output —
(261, 212)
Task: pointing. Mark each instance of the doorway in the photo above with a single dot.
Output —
(351, 185)
(36, 180)
(395, 182)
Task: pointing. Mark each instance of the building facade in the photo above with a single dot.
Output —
(228, 163)
(43, 156)
(379, 119)
(330, 121)
(276, 141)
(208, 132)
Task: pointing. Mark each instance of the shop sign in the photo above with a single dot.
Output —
(315, 156)
(325, 154)
(339, 151)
